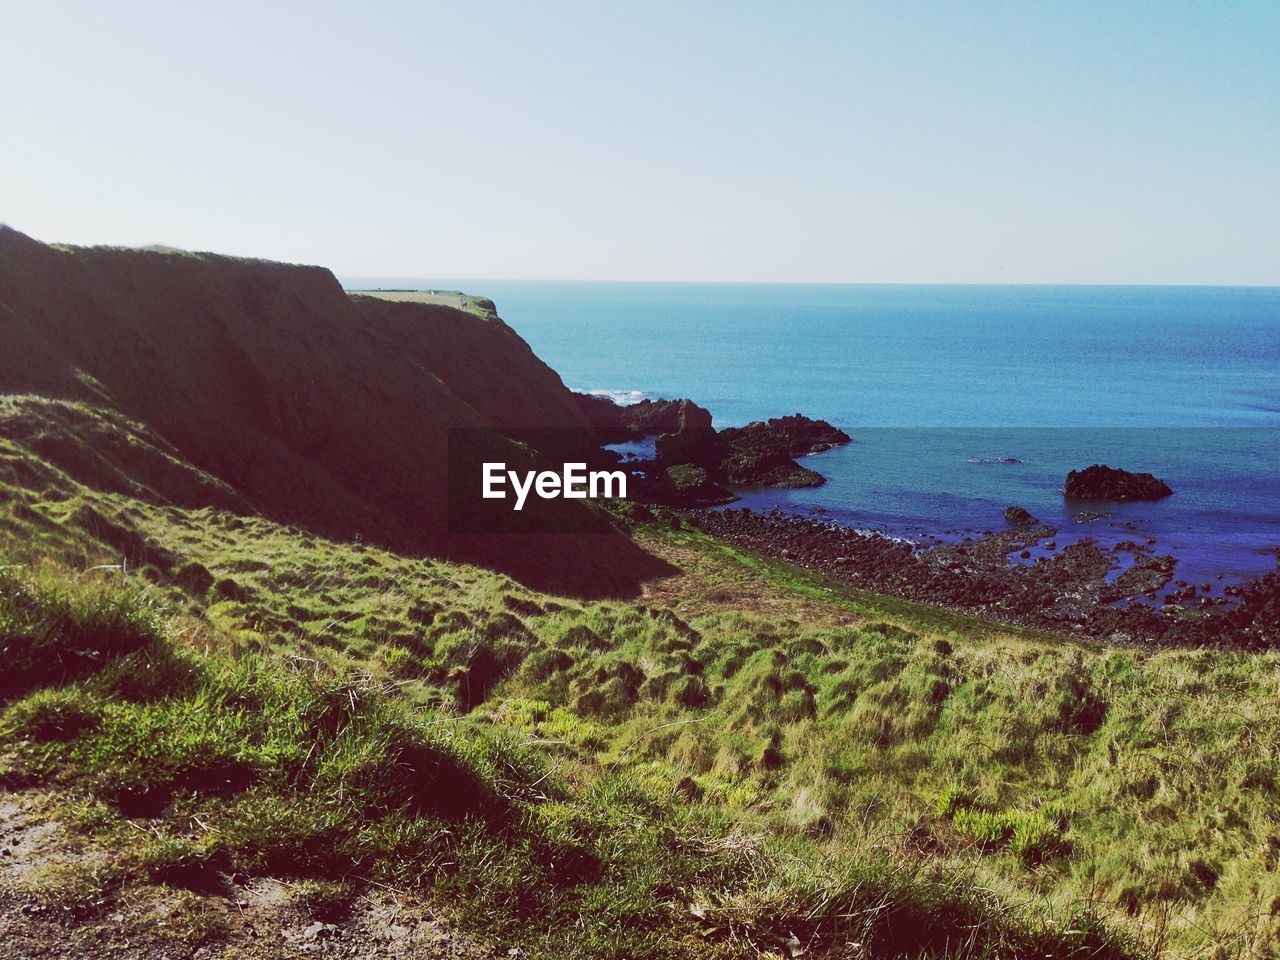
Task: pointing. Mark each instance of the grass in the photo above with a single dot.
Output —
(757, 755)
(331, 781)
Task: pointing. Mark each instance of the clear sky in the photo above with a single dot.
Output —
(840, 141)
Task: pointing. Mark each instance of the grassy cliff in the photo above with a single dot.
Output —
(314, 407)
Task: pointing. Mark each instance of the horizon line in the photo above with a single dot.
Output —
(344, 279)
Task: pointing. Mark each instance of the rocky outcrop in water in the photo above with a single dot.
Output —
(793, 436)
(1019, 516)
(606, 418)
(1100, 482)
(654, 417)
(762, 452)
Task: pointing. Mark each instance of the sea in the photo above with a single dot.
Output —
(961, 400)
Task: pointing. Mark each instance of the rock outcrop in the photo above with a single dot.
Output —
(1103, 483)
(759, 454)
(793, 436)
(762, 452)
(690, 486)
(650, 418)
(606, 418)
(1019, 516)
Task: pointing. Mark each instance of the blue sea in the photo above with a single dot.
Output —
(937, 384)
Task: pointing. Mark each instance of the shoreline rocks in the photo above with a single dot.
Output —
(653, 417)
(1068, 591)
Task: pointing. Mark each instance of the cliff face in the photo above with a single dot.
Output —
(314, 407)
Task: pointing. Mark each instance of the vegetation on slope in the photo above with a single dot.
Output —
(245, 765)
(754, 759)
(251, 700)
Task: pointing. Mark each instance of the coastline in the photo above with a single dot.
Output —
(1096, 568)
(1125, 595)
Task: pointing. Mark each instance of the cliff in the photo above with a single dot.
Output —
(299, 401)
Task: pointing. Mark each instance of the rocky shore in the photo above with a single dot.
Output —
(1074, 590)
(1126, 593)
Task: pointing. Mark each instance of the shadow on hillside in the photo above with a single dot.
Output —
(585, 565)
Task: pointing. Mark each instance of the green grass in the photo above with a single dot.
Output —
(333, 782)
(637, 780)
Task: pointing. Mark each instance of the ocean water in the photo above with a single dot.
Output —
(933, 381)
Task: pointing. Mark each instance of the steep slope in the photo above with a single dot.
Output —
(316, 408)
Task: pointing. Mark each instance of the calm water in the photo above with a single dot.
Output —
(1181, 381)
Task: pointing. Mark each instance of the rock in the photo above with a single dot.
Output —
(606, 418)
(762, 452)
(747, 469)
(1091, 516)
(650, 418)
(698, 445)
(1019, 516)
(793, 436)
(681, 485)
(692, 483)
(1100, 482)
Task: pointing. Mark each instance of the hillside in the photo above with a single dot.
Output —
(749, 761)
(315, 408)
(230, 728)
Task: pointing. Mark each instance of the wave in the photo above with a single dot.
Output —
(623, 398)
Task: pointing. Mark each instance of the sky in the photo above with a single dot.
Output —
(1020, 142)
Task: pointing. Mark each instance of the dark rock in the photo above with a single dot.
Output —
(1019, 516)
(698, 445)
(1091, 516)
(762, 452)
(793, 436)
(747, 469)
(606, 418)
(1100, 482)
(691, 486)
(650, 418)
(681, 485)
